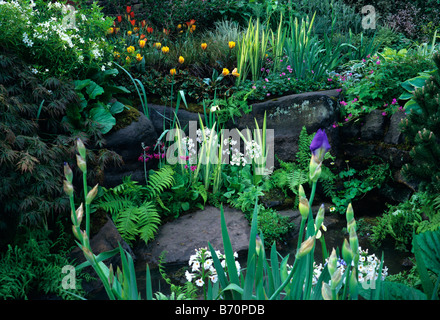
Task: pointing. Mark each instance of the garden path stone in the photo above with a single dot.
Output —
(192, 231)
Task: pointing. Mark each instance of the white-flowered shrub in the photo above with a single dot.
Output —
(58, 40)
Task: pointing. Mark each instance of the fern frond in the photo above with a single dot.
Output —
(113, 204)
(126, 223)
(159, 181)
(148, 221)
(296, 178)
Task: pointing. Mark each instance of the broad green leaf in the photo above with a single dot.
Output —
(116, 107)
(418, 82)
(94, 90)
(81, 84)
(103, 118)
(429, 245)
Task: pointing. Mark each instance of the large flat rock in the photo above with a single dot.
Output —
(192, 231)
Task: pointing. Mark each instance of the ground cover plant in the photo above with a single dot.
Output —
(71, 72)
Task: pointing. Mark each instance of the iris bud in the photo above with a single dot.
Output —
(306, 247)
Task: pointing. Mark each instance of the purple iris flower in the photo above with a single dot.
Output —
(319, 145)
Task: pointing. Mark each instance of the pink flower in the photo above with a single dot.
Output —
(384, 113)
(355, 99)
(329, 79)
(338, 90)
(193, 168)
(268, 94)
(368, 56)
(371, 71)
(394, 101)
(265, 79)
(363, 60)
(378, 62)
(343, 103)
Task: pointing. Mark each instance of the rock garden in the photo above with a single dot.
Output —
(219, 150)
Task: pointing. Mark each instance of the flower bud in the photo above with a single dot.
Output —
(111, 276)
(332, 262)
(79, 214)
(81, 163)
(347, 253)
(81, 148)
(319, 217)
(89, 255)
(354, 244)
(301, 192)
(304, 207)
(76, 232)
(314, 170)
(336, 279)
(326, 291)
(68, 172)
(68, 187)
(352, 282)
(91, 194)
(306, 247)
(349, 214)
(259, 244)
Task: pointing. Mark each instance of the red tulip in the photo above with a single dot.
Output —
(132, 14)
(143, 23)
(128, 9)
(133, 22)
(119, 18)
(149, 29)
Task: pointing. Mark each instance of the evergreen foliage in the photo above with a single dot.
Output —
(422, 129)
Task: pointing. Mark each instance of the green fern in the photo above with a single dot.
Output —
(133, 207)
(159, 181)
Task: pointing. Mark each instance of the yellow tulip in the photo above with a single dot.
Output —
(157, 45)
(130, 49)
(110, 30)
(225, 72)
(231, 44)
(235, 73)
(173, 72)
(181, 60)
(139, 57)
(129, 33)
(165, 49)
(142, 43)
(204, 46)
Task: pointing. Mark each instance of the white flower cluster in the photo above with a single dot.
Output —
(207, 133)
(253, 149)
(368, 267)
(28, 42)
(188, 145)
(202, 266)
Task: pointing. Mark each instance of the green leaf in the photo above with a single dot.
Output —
(429, 244)
(116, 107)
(94, 90)
(81, 84)
(103, 118)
